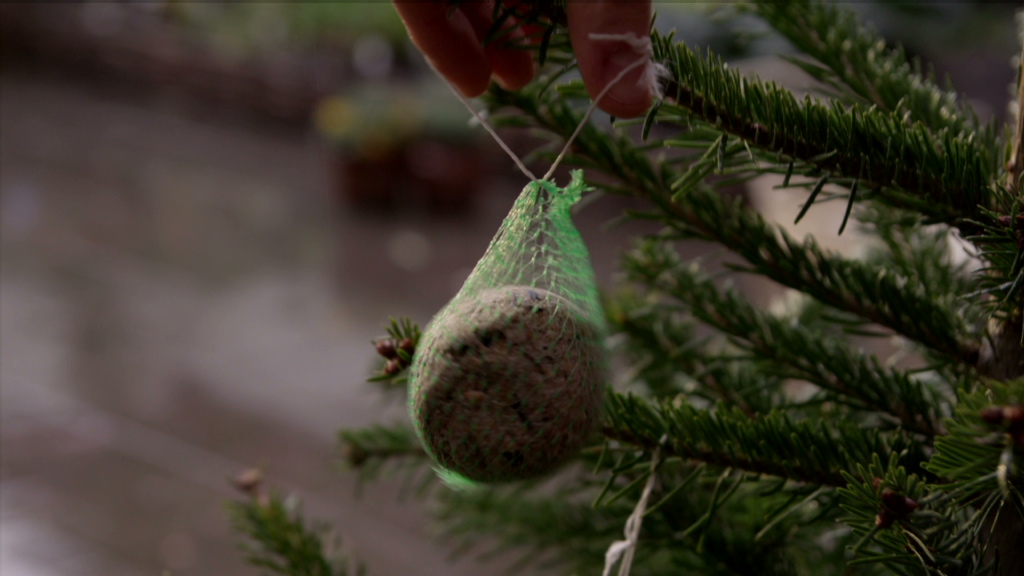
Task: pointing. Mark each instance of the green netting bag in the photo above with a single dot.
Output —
(507, 379)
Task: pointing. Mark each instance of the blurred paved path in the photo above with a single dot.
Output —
(181, 299)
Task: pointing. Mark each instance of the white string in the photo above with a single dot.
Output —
(638, 44)
(479, 117)
(625, 549)
(593, 106)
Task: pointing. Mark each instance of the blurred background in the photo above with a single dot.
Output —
(209, 210)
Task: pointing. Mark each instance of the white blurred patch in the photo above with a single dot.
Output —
(410, 250)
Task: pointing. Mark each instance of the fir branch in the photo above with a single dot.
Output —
(281, 541)
(902, 525)
(979, 434)
(806, 451)
(869, 291)
(542, 529)
(663, 345)
(397, 349)
(854, 59)
(379, 442)
(1002, 245)
(1001, 283)
(945, 177)
(796, 352)
(376, 450)
(951, 532)
(920, 254)
(681, 532)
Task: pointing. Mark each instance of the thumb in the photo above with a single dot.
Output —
(601, 61)
(448, 40)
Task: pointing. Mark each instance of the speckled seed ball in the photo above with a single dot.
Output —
(510, 384)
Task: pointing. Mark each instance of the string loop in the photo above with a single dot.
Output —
(640, 45)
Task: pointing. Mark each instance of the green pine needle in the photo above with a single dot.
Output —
(280, 540)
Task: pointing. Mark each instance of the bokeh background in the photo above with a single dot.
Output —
(209, 210)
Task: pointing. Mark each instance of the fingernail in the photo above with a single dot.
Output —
(633, 88)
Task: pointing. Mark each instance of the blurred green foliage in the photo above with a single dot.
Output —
(266, 27)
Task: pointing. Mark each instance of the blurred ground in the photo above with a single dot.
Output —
(179, 301)
(182, 298)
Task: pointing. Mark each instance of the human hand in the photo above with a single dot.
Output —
(452, 39)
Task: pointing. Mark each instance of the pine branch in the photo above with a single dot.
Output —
(662, 345)
(377, 450)
(854, 59)
(1001, 284)
(945, 177)
(915, 156)
(921, 255)
(1001, 241)
(904, 526)
(868, 291)
(987, 429)
(379, 442)
(794, 351)
(281, 541)
(950, 532)
(1004, 359)
(541, 529)
(693, 525)
(397, 349)
(805, 451)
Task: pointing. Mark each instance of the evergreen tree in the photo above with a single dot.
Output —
(872, 467)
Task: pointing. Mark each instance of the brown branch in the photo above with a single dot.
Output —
(1004, 360)
(1016, 167)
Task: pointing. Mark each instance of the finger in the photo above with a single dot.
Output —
(601, 61)
(513, 68)
(449, 41)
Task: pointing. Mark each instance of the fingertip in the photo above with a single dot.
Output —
(511, 66)
(469, 84)
(512, 69)
(632, 108)
(632, 95)
(448, 41)
(601, 61)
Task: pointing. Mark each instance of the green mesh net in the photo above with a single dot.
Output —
(507, 380)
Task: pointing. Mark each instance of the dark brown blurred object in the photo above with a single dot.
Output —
(440, 176)
(142, 50)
